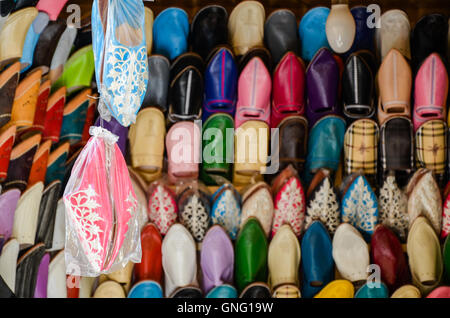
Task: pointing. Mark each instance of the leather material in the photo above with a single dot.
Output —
(217, 149)
(246, 26)
(185, 60)
(322, 83)
(251, 150)
(178, 258)
(358, 88)
(42, 278)
(289, 201)
(8, 263)
(226, 209)
(117, 129)
(257, 202)
(162, 206)
(158, 82)
(47, 43)
(361, 148)
(17, 24)
(287, 291)
(149, 19)
(183, 165)
(364, 35)
(186, 93)
(337, 289)
(430, 91)
(216, 259)
(209, 29)
(68, 168)
(431, 143)
(74, 117)
(325, 144)
(223, 291)
(27, 271)
(56, 164)
(194, 211)
(393, 33)
(170, 33)
(90, 114)
(256, 290)
(32, 37)
(20, 163)
(187, 292)
(5, 291)
(280, 34)
(27, 214)
(394, 84)
(149, 129)
(440, 292)
(387, 252)
(146, 289)
(7, 8)
(7, 139)
(288, 89)
(424, 199)
(424, 255)
(259, 51)
(428, 36)
(323, 202)
(221, 76)
(397, 144)
(47, 213)
(350, 253)
(407, 291)
(9, 79)
(54, 115)
(446, 212)
(62, 52)
(41, 108)
(59, 230)
(150, 267)
(317, 259)
(8, 204)
(251, 254)
(24, 106)
(254, 89)
(312, 32)
(109, 289)
(20, 4)
(56, 287)
(293, 139)
(372, 292)
(52, 8)
(284, 258)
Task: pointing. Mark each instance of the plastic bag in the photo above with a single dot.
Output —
(121, 66)
(102, 227)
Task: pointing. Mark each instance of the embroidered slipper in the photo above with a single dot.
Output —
(226, 209)
(162, 206)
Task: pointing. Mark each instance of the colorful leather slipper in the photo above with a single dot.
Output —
(216, 259)
(54, 115)
(288, 89)
(42, 277)
(25, 100)
(149, 18)
(366, 291)
(8, 204)
(20, 4)
(424, 199)
(9, 79)
(287, 291)
(387, 252)
(38, 25)
(8, 263)
(26, 216)
(317, 259)
(223, 291)
(407, 291)
(256, 290)
(7, 139)
(158, 83)
(39, 166)
(146, 289)
(72, 78)
(74, 117)
(440, 292)
(162, 206)
(217, 148)
(259, 51)
(51, 7)
(27, 271)
(61, 53)
(179, 258)
(250, 254)
(56, 164)
(47, 43)
(123, 276)
(13, 34)
(246, 26)
(393, 34)
(337, 289)
(364, 35)
(187, 292)
(311, 31)
(350, 253)
(150, 267)
(90, 114)
(226, 209)
(424, 254)
(59, 229)
(47, 213)
(57, 277)
(257, 202)
(284, 258)
(149, 129)
(392, 207)
(117, 129)
(109, 289)
(7, 8)
(20, 163)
